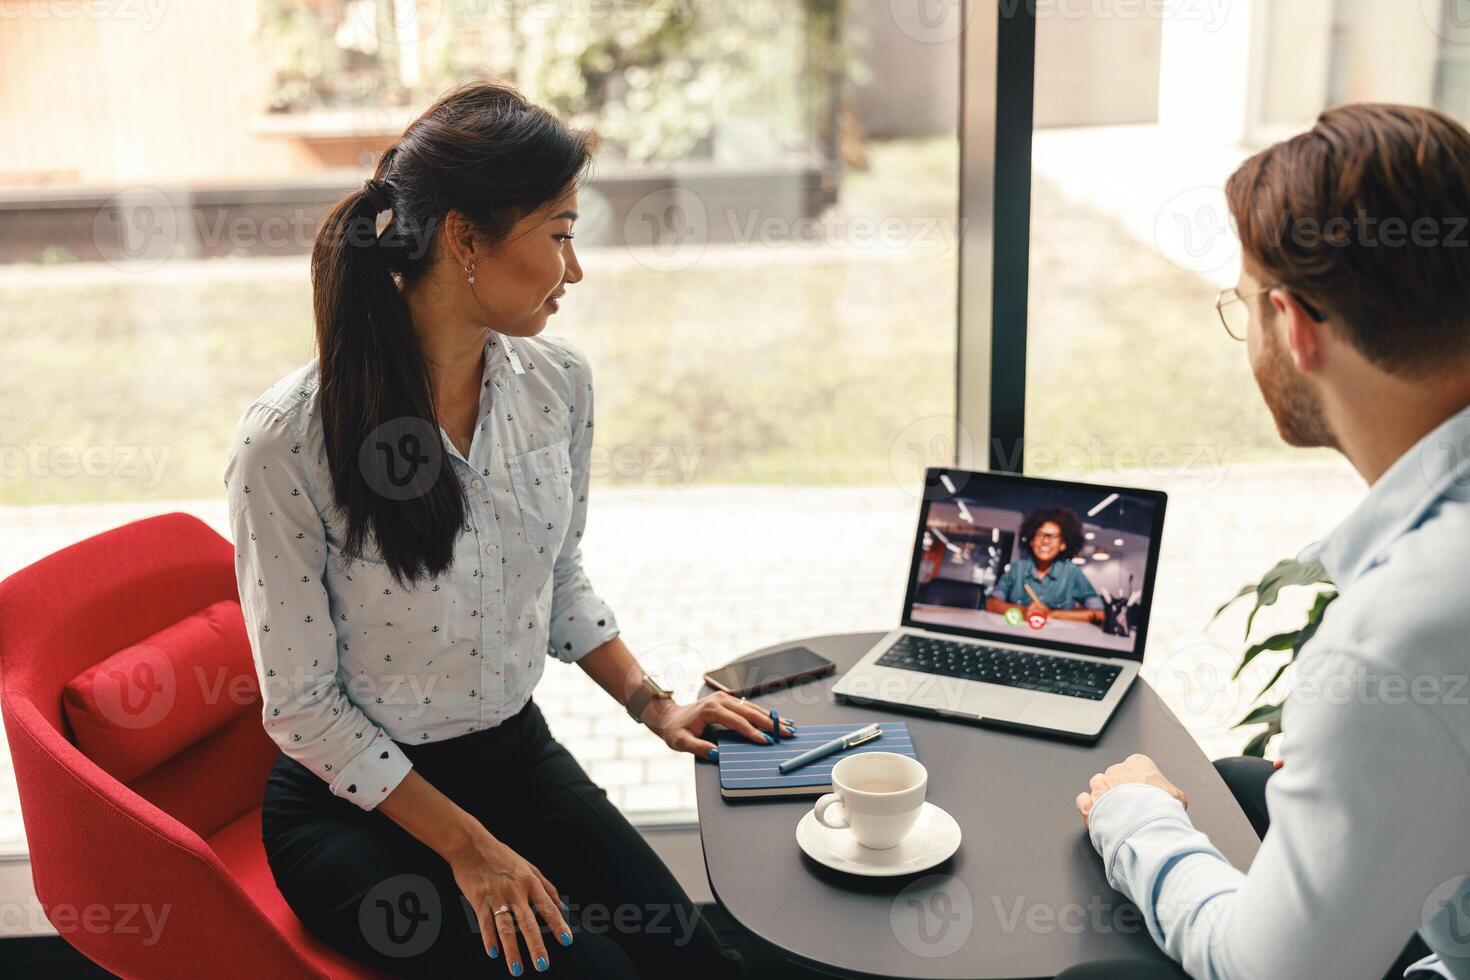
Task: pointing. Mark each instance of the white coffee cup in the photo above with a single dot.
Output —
(878, 796)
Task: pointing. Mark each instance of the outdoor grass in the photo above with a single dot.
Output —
(784, 364)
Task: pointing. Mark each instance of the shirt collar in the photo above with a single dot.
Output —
(496, 363)
(497, 360)
(1031, 568)
(1435, 467)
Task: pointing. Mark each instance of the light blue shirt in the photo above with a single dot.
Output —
(351, 663)
(1370, 813)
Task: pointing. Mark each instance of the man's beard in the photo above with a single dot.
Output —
(1298, 412)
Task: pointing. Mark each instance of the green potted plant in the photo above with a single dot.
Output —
(1288, 572)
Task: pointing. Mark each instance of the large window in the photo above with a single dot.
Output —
(770, 251)
(1130, 378)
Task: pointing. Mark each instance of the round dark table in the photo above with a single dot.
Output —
(1025, 895)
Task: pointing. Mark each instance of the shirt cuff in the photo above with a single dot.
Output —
(373, 773)
(1122, 811)
(586, 625)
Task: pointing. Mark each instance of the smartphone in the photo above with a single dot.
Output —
(779, 668)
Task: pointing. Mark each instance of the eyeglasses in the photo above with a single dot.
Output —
(1046, 536)
(1236, 316)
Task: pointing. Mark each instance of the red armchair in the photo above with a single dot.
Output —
(145, 838)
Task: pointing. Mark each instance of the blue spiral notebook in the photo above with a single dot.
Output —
(748, 771)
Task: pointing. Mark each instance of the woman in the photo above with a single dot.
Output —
(1047, 583)
(407, 509)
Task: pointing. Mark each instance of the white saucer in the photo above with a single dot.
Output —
(935, 837)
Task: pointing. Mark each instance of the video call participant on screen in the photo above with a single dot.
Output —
(1052, 535)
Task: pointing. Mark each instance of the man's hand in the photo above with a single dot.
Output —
(1134, 769)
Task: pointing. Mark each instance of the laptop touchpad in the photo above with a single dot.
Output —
(991, 701)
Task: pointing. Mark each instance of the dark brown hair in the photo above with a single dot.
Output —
(1064, 518)
(1366, 218)
(481, 149)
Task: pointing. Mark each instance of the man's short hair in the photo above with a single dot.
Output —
(1367, 218)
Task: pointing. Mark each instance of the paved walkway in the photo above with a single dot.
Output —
(699, 575)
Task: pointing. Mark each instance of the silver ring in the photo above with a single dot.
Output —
(503, 908)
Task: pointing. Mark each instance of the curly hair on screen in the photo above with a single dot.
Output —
(1064, 518)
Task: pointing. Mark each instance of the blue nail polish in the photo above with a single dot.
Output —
(494, 953)
(541, 964)
(566, 939)
(768, 738)
(714, 755)
(515, 969)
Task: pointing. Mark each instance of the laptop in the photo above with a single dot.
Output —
(1027, 605)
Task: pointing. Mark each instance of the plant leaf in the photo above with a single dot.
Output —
(1280, 641)
(1269, 714)
(1257, 745)
(1245, 590)
(1286, 572)
(1274, 678)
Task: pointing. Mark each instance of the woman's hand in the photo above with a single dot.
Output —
(682, 726)
(490, 875)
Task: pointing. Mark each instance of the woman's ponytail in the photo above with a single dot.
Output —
(481, 150)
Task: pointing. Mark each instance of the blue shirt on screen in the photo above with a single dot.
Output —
(1062, 587)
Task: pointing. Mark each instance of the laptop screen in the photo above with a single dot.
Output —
(1068, 566)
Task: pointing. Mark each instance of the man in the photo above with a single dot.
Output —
(1356, 287)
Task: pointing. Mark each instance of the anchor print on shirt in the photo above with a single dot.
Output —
(519, 407)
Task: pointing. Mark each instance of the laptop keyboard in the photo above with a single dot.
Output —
(998, 665)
